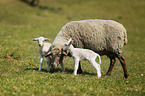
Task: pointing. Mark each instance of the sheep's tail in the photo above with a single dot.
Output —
(99, 58)
(125, 36)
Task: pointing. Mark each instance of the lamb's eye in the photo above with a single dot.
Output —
(65, 44)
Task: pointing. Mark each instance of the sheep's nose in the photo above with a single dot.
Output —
(40, 45)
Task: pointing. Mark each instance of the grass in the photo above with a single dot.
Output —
(19, 58)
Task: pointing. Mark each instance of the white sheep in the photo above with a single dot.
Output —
(43, 49)
(79, 54)
(105, 37)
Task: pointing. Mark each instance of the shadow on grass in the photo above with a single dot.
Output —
(32, 3)
(43, 70)
(69, 71)
(54, 9)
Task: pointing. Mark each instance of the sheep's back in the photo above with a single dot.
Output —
(97, 35)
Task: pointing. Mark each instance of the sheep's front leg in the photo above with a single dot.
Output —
(62, 67)
(76, 66)
(48, 63)
(41, 62)
(61, 62)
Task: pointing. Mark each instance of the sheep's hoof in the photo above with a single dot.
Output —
(63, 70)
(126, 75)
(108, 74)
(47, 69)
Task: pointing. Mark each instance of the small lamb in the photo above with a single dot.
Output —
(44, 48)
(79, 54)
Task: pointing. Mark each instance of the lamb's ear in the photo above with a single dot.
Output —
(35, 39)
(46, 39)
(48, 54)
(71, 42)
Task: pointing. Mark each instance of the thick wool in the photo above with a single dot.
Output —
(101, 36)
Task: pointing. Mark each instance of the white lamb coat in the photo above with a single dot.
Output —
(101, 36)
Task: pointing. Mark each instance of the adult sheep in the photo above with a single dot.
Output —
(105, 37)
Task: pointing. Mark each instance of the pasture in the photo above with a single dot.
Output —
(19, 57)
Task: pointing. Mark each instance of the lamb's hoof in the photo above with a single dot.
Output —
(75, 74)
(99, 76)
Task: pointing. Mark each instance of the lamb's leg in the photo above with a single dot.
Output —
(112, 63)
(97, 67)
(79, 69)
(76, 65)
(48, 63)
(122, 61)
(41, 62)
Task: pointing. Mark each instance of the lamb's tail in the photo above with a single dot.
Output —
(99, 59)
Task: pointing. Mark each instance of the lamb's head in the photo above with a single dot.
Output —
(40, 40)
(67, 45)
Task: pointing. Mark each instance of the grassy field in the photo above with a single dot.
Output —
(19, 57)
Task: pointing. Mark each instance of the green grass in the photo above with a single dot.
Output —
(19, 58)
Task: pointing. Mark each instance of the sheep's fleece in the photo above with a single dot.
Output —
(98, 35)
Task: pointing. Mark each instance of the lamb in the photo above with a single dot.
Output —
(105, 37)
(79, 54)
(43, 49)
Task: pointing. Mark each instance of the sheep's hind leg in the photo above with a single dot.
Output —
(122, 61)
(112, 63)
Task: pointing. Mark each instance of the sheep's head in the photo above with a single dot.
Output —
(40, 40)
(57, 56)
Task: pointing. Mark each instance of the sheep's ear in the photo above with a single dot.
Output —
(64, 53)
(48, 54)
(46, 39)
(35, 39)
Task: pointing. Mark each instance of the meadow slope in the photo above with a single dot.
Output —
(19, 57)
